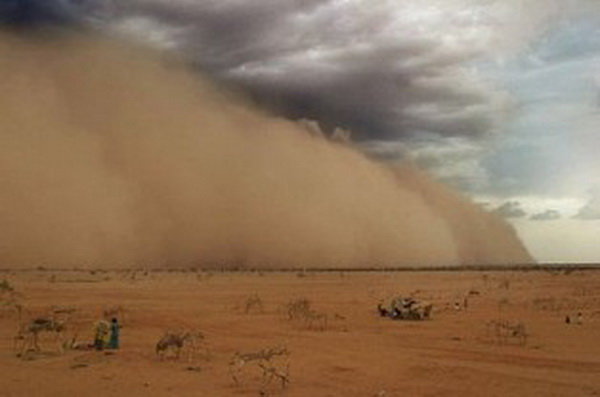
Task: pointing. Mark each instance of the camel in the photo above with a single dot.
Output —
(176, 341)
(29, 334)
(270, 372)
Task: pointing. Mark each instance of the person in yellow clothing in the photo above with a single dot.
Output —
(101, 331)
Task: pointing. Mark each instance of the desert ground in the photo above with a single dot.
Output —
(348, 351)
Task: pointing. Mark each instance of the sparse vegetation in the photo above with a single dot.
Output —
(321, 360)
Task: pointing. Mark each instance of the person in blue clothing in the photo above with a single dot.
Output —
(115, 328)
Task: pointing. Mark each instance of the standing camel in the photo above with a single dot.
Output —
(29, 334)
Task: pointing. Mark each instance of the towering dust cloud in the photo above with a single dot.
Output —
(110, 156)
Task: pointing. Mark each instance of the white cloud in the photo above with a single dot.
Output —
(591, 210)
(149, 30)
(537, 204)
(510, 209)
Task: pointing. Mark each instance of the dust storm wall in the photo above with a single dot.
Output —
(113, 156)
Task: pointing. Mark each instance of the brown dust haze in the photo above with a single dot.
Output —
(112, 156)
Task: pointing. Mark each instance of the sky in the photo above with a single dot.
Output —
(498, 99)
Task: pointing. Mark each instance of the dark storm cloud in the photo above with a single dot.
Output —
(37, 12)
(219, 35)
(354, 66)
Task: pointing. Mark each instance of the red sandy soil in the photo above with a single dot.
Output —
(358, 354)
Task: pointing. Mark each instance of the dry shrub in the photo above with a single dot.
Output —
(253, 304)
(505, 332)
(300, 312)
(5, 286)
(546, 304)
(503, 303)
(297, 308)
(272, 363)
(204, 276)
(10, 299)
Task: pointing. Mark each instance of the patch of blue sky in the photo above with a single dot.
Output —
(573, 39)
(557, 69)
(553, 86)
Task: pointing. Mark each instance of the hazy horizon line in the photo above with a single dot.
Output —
(193, 269)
